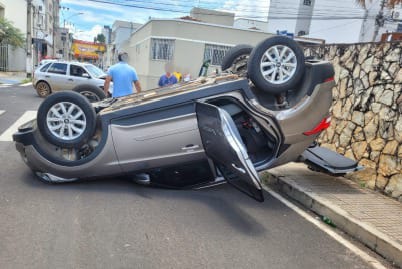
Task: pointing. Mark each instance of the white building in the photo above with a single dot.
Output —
(293, 16)
(121, 32)
(185, 43)
(15, 11)
(332, 21)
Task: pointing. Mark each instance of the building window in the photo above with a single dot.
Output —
(307, 2)
(399, 28)
(215, 53)
(162, 49)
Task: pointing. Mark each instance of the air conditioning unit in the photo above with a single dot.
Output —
(396, 15)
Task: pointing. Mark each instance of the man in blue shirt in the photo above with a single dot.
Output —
(123, 77)
(168, 78)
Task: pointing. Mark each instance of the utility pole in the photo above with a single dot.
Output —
(29, 39)
(379, 20)
(364, 26)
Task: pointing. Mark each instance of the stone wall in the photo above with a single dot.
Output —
(366, 112)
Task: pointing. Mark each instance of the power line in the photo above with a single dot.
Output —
(314, 17)
(262, 9)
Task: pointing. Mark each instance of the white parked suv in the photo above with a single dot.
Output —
(56, 76)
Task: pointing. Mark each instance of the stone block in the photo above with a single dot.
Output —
(387, 98)
(381, 182)
(391, 147)
(375, 156)
(367, 175)
(368, 165)
(388, 165)
(370, 130)
(359, 148)
(358, 118)
(377, 144)
(358, 134)
(367, 65)
(394, 187)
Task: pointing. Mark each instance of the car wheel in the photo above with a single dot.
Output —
(236, 59)
(43, 89)
(66, 119)
(91, 92)
(276, 65)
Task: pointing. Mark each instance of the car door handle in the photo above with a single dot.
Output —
(47, 76)
(241, 170)
(70, 79)
(190, 147)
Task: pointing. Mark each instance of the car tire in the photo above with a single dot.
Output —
(235, 55)
(91, 92)
(276, 65)
(43, 89)
(66, 119)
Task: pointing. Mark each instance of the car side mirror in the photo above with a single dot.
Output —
(86, 75)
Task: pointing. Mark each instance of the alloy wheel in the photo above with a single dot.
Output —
(66, 121)
(42, 89)
(278, 64)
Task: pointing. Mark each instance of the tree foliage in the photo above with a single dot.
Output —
(100, 38)
(10, 34)
(390, 3)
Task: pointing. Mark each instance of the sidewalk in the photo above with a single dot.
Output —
(12, 78)
(368, 216)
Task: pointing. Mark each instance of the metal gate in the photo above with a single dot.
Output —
(4, 57)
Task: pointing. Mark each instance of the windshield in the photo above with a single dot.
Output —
(95, 71)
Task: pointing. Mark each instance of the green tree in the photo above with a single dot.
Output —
(10, 34)
(100, 38)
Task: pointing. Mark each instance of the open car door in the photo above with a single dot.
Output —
(223, 144)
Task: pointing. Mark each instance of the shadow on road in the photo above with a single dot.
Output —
(227, 203)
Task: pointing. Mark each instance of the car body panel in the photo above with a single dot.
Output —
(161, 142)
(102, 164)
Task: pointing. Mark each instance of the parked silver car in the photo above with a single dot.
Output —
(214, 129)
(84, 78)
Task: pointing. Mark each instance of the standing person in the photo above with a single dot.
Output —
(123, 77)
(168, 78)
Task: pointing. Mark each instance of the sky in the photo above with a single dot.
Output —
(86, 18)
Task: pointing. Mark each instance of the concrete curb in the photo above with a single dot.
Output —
(363, 232)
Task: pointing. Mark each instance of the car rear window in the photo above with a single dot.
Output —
(58, 68)
(45, 67)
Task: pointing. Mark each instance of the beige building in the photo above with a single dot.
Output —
(212, 16)
(187, 44)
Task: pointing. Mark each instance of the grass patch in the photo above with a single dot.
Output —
(26, 80)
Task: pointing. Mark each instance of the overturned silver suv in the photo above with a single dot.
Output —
(265, 110)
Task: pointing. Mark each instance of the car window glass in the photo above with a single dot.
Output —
(46, 66)
(95, 71)
(58, 68)
(77, 71)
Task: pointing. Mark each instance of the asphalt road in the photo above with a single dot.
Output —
(118, 224)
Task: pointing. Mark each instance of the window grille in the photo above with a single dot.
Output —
(162, 49)
(215, 53)
(307, 2)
